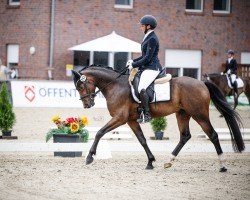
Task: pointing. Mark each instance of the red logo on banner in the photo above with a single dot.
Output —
(29, 92)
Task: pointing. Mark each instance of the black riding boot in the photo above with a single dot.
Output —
(235, 86)
(145, 117)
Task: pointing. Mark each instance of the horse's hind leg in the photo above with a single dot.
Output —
(183, 124)
(213, 136)
(134, 125)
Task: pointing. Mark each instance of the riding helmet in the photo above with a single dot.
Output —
(149, 20)
(230, 51)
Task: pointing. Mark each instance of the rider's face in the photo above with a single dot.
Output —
(143, 28)
(230, 55)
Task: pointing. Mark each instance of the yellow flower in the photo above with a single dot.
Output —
(74, 127)
(85, 120)
(56, 119)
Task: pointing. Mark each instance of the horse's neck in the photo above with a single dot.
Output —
(105, 79)
(216, 79)
(110, 84)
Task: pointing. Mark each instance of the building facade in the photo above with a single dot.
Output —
(194, 35)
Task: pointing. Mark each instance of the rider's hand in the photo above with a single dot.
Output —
(221, 73)
(129, 64)
(130, 67)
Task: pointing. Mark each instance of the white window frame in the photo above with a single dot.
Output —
(130, 6)
(196, 10)
(181, 68)
(245, 58)
(12, 54)
(11, 3)
(224, 11)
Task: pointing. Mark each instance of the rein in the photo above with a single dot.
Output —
(84, 79)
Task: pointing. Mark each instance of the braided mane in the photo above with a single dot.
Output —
(101, 66)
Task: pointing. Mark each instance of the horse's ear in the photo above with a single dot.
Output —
(76, 76)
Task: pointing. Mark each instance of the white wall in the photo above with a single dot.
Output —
(245, 58)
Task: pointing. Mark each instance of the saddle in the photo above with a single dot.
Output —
(240, 83)
(134, 79)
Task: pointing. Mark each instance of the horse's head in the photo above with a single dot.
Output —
(85, 85)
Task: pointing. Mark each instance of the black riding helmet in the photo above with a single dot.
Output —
(149, 20)
(230, 51)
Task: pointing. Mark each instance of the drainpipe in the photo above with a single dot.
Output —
(51, 48)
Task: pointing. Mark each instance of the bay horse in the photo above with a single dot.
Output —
(221, 82)
(189, 98)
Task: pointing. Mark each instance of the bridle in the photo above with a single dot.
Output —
(91, 95)
(83, 79)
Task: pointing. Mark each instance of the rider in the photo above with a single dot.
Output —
(231, 69)
(148, 63)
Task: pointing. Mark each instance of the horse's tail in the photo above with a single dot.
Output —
(232, 117)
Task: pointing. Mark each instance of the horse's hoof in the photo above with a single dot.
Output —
(223, 169)
(89, 160)
(167, 165)
(149, 167)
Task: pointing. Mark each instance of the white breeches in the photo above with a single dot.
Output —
(233, 77)
(147, 77)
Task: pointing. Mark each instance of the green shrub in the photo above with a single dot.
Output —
(159, 124)
(7, 116)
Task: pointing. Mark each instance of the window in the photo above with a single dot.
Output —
(194, 5)
(13, 59)
(221, 6)
(120, 60)
(101, 58)
(124, 4)
(183, 62)
(12, 54)
(173, 71)
(81, 59)
(191, 72)
(116, 60)
(14, 2)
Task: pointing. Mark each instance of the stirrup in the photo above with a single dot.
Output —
(144, 118)
(141, 118)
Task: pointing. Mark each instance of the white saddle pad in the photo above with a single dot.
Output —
(162, 93)
(240, 83)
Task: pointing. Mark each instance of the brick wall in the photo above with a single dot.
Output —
(79, 21)
(27, 25)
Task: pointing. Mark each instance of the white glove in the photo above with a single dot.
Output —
(221, 73)
(129, 64)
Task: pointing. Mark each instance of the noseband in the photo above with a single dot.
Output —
(89, 94)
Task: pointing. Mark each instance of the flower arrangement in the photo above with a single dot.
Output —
(69, 126)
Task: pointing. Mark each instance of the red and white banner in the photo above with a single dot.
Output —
(49, 94)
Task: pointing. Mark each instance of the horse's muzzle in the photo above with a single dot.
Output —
(89, 105)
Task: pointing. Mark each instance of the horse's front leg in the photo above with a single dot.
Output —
(134, 125)
(112, 124)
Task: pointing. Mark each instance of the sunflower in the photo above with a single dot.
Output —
(85, 120)
(74, 127)
(56, 119)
